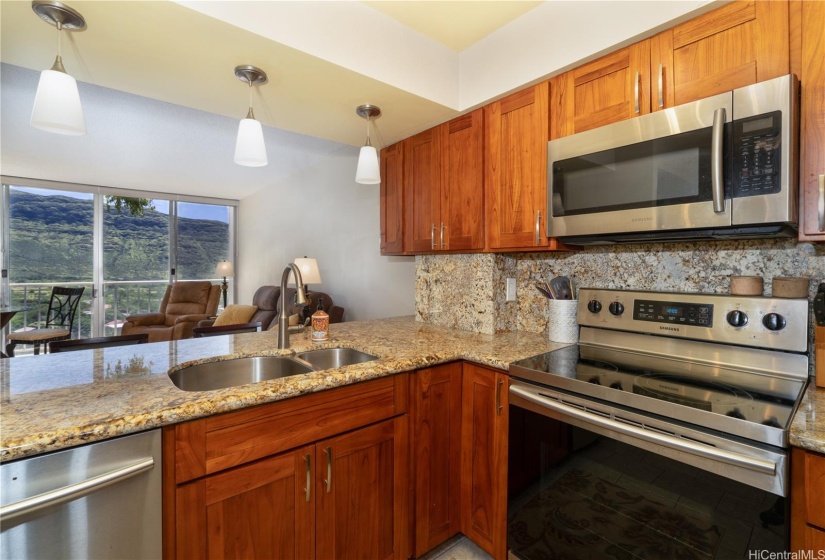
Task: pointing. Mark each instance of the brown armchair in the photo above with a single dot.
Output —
(335, 312)
(266, 300)
(183, 305)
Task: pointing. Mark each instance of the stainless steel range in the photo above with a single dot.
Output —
(702, 385)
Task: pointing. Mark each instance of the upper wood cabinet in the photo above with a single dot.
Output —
(515, 169)
(461, 224)
(392, 199)
(443, 187)
(611, 89)
(422, 188)
(739, 44)
(812, 121)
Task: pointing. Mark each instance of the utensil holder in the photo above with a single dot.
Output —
(562, 324)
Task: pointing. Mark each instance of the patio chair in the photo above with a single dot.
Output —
(99, 342)
(59, 322)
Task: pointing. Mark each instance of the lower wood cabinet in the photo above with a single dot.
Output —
(267, 482)
(484, 427)
(807, 501)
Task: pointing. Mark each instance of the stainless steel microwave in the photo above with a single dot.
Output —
(720, 167)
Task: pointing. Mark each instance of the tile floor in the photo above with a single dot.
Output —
(457, 548)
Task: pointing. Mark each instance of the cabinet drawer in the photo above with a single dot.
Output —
(216, 443)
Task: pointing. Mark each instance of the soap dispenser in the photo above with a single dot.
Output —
(320, 323)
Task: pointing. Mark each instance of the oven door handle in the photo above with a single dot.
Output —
(704, 451)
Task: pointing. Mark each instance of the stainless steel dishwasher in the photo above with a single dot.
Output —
(101, 500)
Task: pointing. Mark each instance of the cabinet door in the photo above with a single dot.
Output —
(436, 433)
(484, 426)
(362, 493)
(422, 185)
(515, 159)
(462, 190)
(812, 153)
(737, 45)
(610, 89)
(261, 510)
(392, 199)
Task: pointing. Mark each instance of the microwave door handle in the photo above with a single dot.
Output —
(717, 180)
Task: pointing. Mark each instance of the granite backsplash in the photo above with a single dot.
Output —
(467, 291)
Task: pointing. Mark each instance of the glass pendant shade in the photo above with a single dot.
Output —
(57, 105)
(250, 149)
(367, 172)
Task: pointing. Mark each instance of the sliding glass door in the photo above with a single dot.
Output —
(125, 247)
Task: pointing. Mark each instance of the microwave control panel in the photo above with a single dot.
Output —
(756, 154)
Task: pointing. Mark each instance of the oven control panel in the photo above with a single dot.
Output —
(673, 313)
(762, 322)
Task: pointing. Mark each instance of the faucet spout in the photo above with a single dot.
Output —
(300, 299)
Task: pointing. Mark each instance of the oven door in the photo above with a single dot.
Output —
(586, 481)
(662, 171)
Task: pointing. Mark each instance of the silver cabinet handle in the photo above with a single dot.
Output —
(821, 201)
(637, 103)
(717, 180)
(441, 235)
(432, 237)
(74, 491)
(308, 460)
(698, 449)
(498, 396)
(538, 224)
(661, 88)
(328, 481)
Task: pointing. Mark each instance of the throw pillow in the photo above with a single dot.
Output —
(235, 315)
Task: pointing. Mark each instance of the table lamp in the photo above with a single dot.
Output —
(310, 275)
(224, 269)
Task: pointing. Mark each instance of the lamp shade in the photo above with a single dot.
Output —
(309, 270)
(250, 149)
(57, 105)
(368, 172)
(224, 269)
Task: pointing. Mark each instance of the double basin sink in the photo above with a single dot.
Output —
(240, 371)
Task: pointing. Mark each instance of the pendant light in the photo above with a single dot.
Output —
(250, 149)
(57, 102)
(368, 172)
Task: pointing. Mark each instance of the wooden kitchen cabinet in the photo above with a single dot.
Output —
(422, 189)
(807, 500)
(392, 199)
(515, 171)
(236, 484)
(812, 121)
(444, 188)
(435, 412)
(739, 44)
(613, 88)
(361, 493)
(484, 427)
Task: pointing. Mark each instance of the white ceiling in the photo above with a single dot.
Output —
(421, 62)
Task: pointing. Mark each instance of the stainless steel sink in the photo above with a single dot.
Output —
(328, 358)
(240, 371)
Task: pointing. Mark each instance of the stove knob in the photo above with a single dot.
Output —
(737, 318)
(594, 306)
(617, 385)
(774, 322)
(594, 381)
(735, 413)
(616, 308)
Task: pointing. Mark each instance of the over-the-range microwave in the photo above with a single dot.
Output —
(721, 167)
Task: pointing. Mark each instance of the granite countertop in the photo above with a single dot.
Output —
(62, 400)
(808, 426)
(58, 401)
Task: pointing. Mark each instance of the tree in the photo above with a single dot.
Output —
(136, 206)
